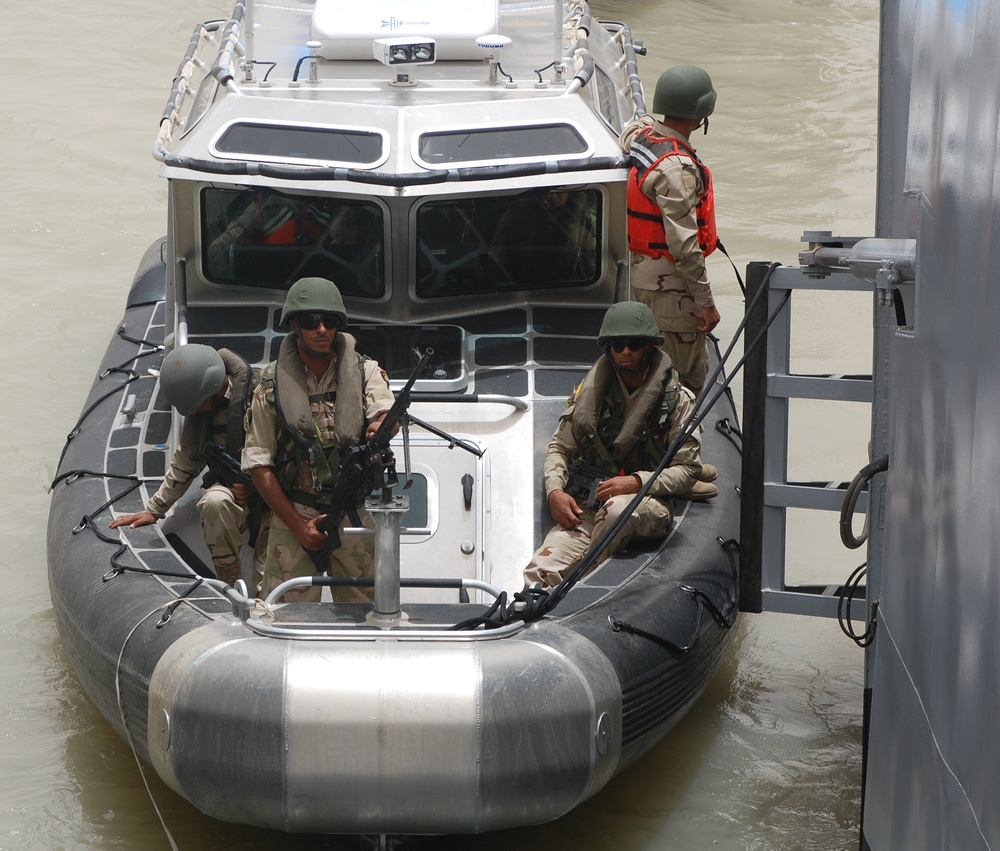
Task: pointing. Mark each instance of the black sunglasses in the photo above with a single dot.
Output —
(619, 344)
(312, 321)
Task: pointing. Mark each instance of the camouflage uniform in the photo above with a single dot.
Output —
(285, 555)
(223, 522)
(675, 291)
(562, 548)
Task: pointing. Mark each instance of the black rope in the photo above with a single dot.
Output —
(169, 611)
(88, 522)
(739, 278)
(731, 433)
(486, 618)
(702, 601)
(132, 376)
(846, 597)
(72, 475)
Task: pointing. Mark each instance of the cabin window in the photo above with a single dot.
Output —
(540, 240)
(416, 520)
(607, 99)
(299, 143)
(499, 144)
(262, 238)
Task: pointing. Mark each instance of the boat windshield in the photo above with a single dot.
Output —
(540, 240)
(263, 238)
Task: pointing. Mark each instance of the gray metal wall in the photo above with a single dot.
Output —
(932, 779)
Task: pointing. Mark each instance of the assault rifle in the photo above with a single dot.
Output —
(222, 467)
(583, 483)
(363, 469)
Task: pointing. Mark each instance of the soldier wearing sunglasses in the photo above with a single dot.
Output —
(319, 398)
(616, 428)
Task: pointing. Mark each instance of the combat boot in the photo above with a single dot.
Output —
(708, 473)
(701, 491)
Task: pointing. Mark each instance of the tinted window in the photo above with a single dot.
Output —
(261, 238)
(501, 143)
(318, 144)
(489, 245)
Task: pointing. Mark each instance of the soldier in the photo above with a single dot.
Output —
(212, 390)
(319, 398)
(617, 426)
(671, 218)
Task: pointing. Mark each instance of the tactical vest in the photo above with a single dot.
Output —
(646, 234)
(610, 440)
(299, 441)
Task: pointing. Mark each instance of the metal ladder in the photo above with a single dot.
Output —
(830, 263)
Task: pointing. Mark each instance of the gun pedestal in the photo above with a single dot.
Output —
(387, 515)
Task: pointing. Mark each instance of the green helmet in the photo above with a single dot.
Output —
(629, 319)
(684, 91)
(191, 374)
(313, 295)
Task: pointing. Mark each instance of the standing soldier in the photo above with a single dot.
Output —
(318, 399)
(671, 218)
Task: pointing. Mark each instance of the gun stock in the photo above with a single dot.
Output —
(362, 470)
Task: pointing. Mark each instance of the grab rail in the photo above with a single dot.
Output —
(368, 581)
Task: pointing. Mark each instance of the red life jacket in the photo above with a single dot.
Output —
(285, 228)
(645, 221)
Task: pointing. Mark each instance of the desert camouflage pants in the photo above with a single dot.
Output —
(286, 558)
(563, 548)
(687, 349)
(223, 523)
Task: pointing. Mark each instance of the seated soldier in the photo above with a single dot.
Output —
(616, 428)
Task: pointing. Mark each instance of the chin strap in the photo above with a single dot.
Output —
(316, 353)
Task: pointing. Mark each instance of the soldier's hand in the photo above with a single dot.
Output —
(565, 510)
(241, 493)
(134, 521)
(709, 319)
(312, 538)
(615, 486)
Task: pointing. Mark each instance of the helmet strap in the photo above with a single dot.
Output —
(704, 124)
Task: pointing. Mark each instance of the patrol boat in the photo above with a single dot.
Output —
(454, 168)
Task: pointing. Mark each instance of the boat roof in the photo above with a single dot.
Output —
(313, 89)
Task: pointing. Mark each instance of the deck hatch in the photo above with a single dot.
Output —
(501, 144)
(300, 143)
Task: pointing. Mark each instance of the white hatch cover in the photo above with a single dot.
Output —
(347, 28)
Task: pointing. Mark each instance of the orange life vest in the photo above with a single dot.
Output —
(645, 221)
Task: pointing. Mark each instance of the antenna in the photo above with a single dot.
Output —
(493, 42)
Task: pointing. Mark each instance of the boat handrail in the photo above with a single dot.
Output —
(406, 582)
(231, 46)
(370, 632)
(181, 87)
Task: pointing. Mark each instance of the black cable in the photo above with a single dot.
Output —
(844, 601)
(858, 484)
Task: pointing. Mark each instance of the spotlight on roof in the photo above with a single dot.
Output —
(405, 51)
